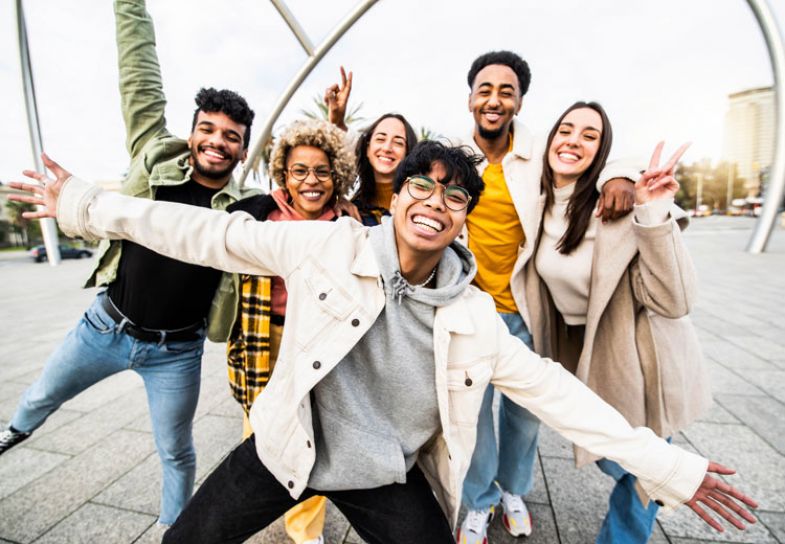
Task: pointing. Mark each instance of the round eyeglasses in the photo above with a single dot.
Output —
(300, 172)
(454, 197)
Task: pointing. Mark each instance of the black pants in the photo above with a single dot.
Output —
(242, 497)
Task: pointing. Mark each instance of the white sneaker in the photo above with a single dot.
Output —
(474, 529)
(317, 540)
(516, 517)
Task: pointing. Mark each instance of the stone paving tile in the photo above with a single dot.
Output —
(755, 461)
(775, 522)
(22, 465)
(770, 381)
(762, 347)
(733, 357)
(11, 390)
(684, 524)
(718, 414)
(727, 381)
(105, 391)
(762, 414)
(53, 422)
(139, 489)
(152, 535)
(29, 512)
(551, 444)
(94, 426)
(578, 498)
(543, 528)
(227, 408)
(95, 524)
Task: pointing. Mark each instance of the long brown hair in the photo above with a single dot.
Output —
(583, 201)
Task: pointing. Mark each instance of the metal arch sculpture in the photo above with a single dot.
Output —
(760, 8)
(315, 55)
(776, 190)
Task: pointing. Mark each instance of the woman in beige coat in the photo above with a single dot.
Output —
(610, 300)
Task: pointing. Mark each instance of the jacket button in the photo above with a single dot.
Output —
(317, 365)
(322, 296)
(468, 382)
(308, 443)
(658, 502)
(290, 484)
(355, 322)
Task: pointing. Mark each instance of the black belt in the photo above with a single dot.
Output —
(276, 319)
(191, 332)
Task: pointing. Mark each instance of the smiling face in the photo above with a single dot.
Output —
(311, 195)
(387, 147)
(494, 101)
(425, 227)
(216, 145)
(575, 145)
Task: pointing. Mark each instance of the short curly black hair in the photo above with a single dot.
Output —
(225, 101)
(505, 58)
(460, 164)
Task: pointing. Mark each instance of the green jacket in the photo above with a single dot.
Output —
(158, 158)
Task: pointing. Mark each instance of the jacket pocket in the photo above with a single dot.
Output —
(466, 387)
(326, 301)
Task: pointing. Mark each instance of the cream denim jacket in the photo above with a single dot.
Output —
(335, 294)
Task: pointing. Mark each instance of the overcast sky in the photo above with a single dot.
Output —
(662, 69)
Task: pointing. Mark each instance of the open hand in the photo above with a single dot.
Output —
(45, 192)
(337, 97)
(720, 496)
(658, 182)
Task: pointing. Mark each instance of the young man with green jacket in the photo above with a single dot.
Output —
(152, 317)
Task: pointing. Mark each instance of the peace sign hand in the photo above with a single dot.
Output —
(658, 182)
(44, 193)
(337, 97)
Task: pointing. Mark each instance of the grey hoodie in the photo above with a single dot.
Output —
(377, 407)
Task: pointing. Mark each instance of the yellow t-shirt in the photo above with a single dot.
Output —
(384, 192)
(495, 234)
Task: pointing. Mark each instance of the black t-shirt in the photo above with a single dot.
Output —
(157, 292)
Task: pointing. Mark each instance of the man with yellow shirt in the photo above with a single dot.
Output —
(496, 232)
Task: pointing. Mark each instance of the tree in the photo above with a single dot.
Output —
(713, 183)
(29, 230)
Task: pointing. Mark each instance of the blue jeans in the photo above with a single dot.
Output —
(627, 520)
(171, 371)
(512, 464)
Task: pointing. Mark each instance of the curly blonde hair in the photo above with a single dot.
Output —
(326, 137)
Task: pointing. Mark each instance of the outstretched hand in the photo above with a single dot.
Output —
(44, 193)
(721, 497)
(657, 181)
(337, 97)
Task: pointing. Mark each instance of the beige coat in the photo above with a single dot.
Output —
(335, 295)
(640, 351)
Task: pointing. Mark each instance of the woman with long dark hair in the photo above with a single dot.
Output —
(610, 300)
(379, 150)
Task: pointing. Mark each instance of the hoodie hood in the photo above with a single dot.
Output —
(455, 272)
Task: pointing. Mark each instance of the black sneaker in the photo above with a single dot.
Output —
(10, 437)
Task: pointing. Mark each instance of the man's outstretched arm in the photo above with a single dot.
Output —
(141, 90)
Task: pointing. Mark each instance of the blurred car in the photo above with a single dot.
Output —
(38, 253)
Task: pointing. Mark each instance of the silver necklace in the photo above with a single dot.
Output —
(428, 279)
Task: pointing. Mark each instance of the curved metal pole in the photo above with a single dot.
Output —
(48, 227)
(300, 76)
(776, 189)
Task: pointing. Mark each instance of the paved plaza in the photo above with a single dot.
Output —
(90, 474)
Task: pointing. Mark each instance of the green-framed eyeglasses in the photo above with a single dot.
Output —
(422, 187)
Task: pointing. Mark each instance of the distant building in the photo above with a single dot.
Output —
(749, 134)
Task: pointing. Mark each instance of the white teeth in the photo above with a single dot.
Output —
(212, 153)
(385, 159)
(428, 222)
(311, 194)
(568, 156)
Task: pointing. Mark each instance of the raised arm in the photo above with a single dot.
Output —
(669, 475)
(141, 90)
(663, 276)
(233, 242)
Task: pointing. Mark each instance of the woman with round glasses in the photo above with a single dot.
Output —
(621, 326)
(312, 168)
(379, 150)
